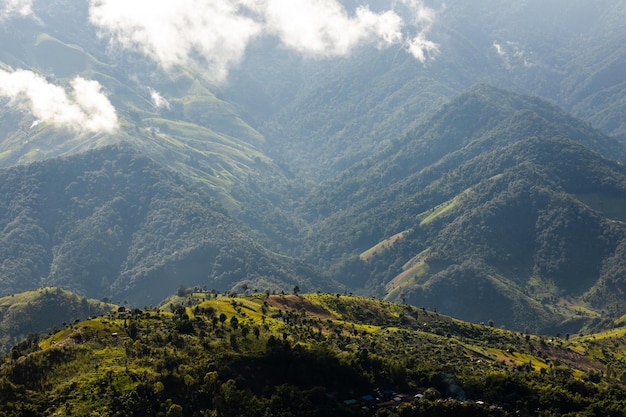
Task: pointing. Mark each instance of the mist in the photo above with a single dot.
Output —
(85, 108)
(214, 35)
(9, 8)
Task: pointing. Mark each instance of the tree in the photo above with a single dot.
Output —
(175, 410)
(132, 329)
(222, 319)
(178, 309)
(182, 291)
(234, 322)
(296, 290)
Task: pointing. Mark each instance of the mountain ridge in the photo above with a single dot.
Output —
(113, 222)
(315, 160)
(29, 314)
(485, 204)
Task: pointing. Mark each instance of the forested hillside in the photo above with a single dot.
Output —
(569, 52)
(349, 208)
(500, 205)
(307, 355)
(111, 222)
(25, 316)
(85, 98)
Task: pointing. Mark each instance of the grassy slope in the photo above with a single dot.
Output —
(153, 359)
(197, 134)
(40, 310)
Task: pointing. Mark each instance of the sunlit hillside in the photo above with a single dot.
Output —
(306, 354)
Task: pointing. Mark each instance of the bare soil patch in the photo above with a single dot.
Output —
(296, 302)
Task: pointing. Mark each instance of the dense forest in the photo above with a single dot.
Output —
(112, 223)
(497, 197)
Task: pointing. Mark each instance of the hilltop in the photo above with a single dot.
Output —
(310, 354)
(31, 313)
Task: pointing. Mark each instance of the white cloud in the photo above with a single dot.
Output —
(499, 49)
(216, 33)
(10, 8)
(423, 18)
(323, 27)
(85, 109)
(513, 55)
(176, 32)
(421, 48)
(158, 100)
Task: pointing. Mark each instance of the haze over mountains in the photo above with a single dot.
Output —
(463, 156)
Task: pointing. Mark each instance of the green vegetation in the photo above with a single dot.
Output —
(369, 179)
(491, 207)
(111, 223)
(33, 312)
(314, 355)
(500, 205)
(505, 206)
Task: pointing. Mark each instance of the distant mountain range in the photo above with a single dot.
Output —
(485, 180)
(500, 206)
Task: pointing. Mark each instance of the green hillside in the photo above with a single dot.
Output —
(111, 222)
(498, 197)
(500, 205)
(31, 313)
(311, 355)
(188, 127)
(366, 172)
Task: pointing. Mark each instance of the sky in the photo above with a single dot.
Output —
(212, 36)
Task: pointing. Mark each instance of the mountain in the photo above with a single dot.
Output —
(288, 162)
(307, 355)
(24, 316)
(570, 53)
(500, 205)
(111, 222)
(174, 117)
(316, 116)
